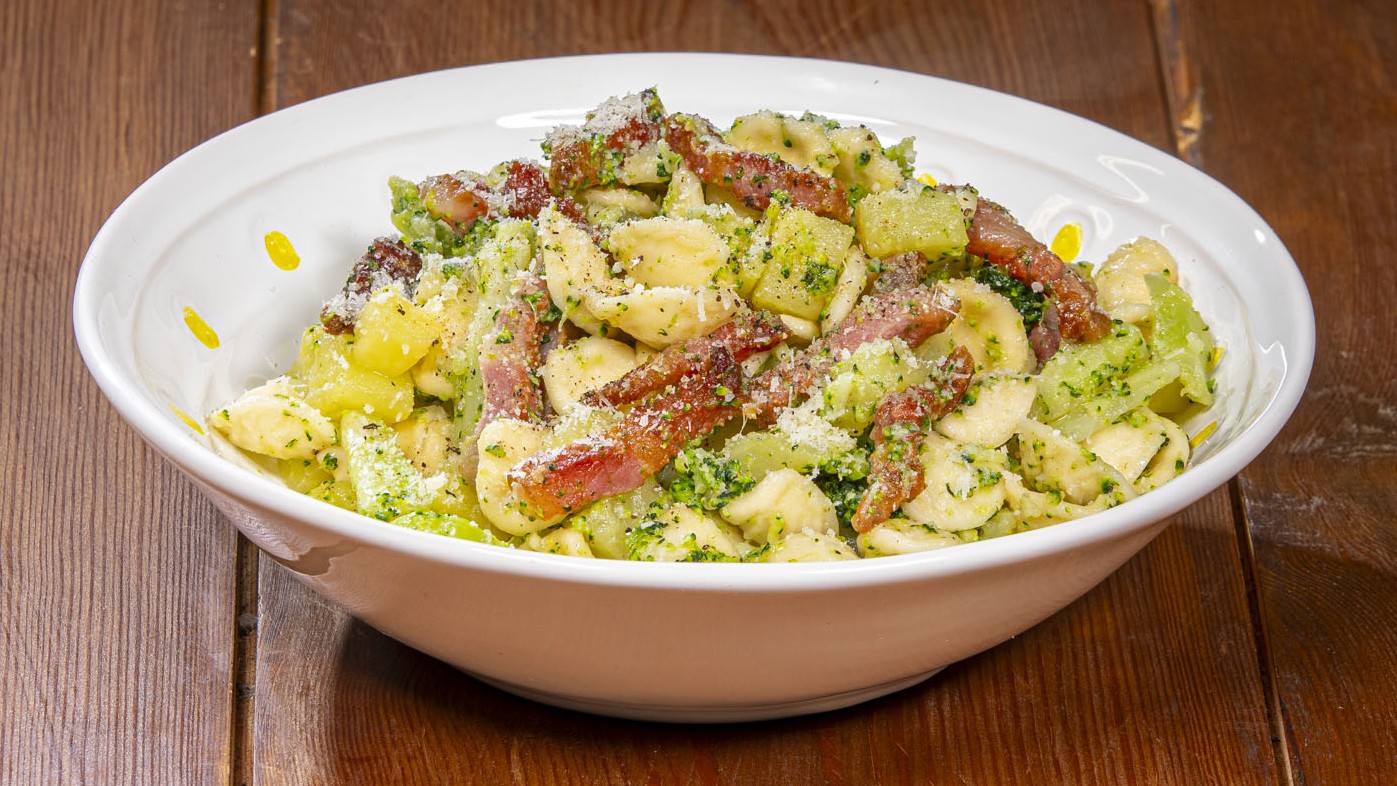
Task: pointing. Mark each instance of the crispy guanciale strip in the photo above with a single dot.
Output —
(457, 200)
(512, 351)
(752, 177)
(387, 261)
(570, 477)
(743, 337)
(1046, 336)
(593, 154)
(900, 271)
(900, 425)
(998, 237)
(913, 314)
(461, 199)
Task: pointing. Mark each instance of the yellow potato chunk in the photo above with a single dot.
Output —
(392, 334)
(335, 384)
(924, 219)
(807, 257)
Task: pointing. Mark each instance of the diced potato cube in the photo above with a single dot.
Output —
(924, 219)
(392, 333)
(807, 256)
(335, 384)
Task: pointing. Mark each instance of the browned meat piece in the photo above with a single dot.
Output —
(752, 177)
(743, 337)
(592, 155)
(913, 315)
(511, 353)
(387, 261)
(999, 238)
(457, 201)
(900, 425)
(1045, 337)
(570, 477)
(901, 271)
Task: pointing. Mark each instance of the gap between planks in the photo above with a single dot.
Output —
(1183, 94)
(247, 560)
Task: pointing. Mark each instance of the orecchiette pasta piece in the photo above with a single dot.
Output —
(426, 438)
(989, 326)
(1052, 462)
(682, 534)
(853, 277)
(1169, 462)
(785, 501)
(671, 252)
(685, 193)
(454, 308)
(586, 364)
(903, 536)
(861, 160)
(1131, 444)
(803, 143)
(964, 486)
(576, 269)
(559, 540)
(807, 546)
(1120, 283)
(610, 205)
(803, 331)
(1034, 509)
(990, 414)
(504, 443)
(274, 420)
(660, 316)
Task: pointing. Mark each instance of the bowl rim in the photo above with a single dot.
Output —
(1152, 509)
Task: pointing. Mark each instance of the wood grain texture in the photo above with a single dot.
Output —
(116, 578)
(1320, 503)
(1153, 678)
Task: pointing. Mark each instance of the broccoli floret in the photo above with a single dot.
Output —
(675, 533)
(844, 479)
(903, 155)
(706, 480)
(1029, 303)
(425, 233)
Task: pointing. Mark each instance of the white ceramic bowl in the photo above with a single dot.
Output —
(687, 642)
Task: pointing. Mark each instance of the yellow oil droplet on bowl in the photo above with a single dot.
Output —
(188, 421)
(1067, 244)
(200, 328)
(926, 180)
(1202, 435)
(281, 251)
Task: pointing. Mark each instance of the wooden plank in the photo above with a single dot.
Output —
(1152, 678)
(1318, 85)
(116, 626)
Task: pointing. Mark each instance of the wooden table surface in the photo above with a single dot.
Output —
(142, 641)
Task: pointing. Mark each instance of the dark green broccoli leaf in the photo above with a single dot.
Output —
(704, 479)
(1029, 303)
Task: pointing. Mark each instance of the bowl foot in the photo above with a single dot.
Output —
(710, 714)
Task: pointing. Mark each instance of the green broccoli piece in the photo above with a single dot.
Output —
(424, 232)
(707, 480)
(1029, 303)
(844, 479)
